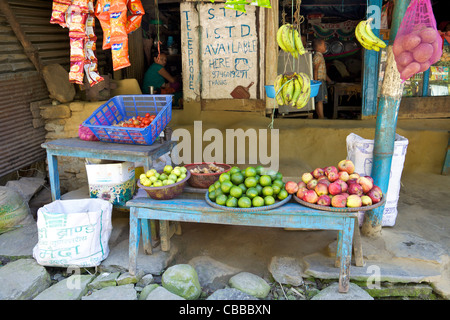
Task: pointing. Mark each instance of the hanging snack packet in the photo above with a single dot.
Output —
(76, 74)
(102, 14)
(119, 52)
(80, 6)
(90, 68)
(137, 11)
(77, 24)
(77, 49)
(119, 5)
(90, 27)
(59, 8)
(118, 21)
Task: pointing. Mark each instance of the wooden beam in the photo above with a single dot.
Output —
(31, 52)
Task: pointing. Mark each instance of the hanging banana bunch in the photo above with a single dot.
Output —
(293, 90)
(289, 40)
(366, 37)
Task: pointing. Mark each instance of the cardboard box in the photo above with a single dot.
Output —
(113, 182)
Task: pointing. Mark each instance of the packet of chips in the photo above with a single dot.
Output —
(76, 74)
(118, 21)
(102, 13)
(119, 5)
(77, 24)
(77, 49)
(119, 52)
(137, 11)
(59, 8)
(80, 6)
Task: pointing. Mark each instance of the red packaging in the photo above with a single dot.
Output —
(118, 5)
(59, 8)
(137, 11)
(77, 49)
(118, 22)
(76, 74)
(77, 24)
(102, 13)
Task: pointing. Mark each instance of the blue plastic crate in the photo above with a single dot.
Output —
(123, 107)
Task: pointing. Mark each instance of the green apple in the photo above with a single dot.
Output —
(163, 176)
(147, 183)
(143, 176)
(183, 169)
(158, 183)
(153, 179)
(170, 181)
(165, 182)
(173, 177)
(183, 175)
(176, 171)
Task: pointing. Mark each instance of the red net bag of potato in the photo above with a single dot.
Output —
(417, 45)
(102, 13)
(59, 8)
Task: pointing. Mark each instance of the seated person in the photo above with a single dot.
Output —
(156, 76)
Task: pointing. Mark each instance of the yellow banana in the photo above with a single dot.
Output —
(306, 81)
(297, 91)
(288, 90)
(303, 99)
(280, 38)
(360, 40)
(288, 38)
(368, 29)
(298, 43)
(364, 36)
(277, 85)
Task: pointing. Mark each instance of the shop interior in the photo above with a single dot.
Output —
(332, 20)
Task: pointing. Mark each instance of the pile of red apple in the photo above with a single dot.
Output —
(337, 186)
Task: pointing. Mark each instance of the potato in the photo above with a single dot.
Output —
(410, 70)
(423, 52)
(437, 51)
(428, 35)
(397, 47)
(404, 58)
(425, 66)
(410, 41)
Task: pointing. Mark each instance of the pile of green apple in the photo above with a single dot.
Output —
(170, 175)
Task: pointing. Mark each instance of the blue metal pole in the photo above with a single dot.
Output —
(426, 82)
(386, 124)
(371, 63)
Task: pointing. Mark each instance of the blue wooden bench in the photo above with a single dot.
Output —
(193, 208)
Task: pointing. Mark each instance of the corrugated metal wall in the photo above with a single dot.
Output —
(20, 84)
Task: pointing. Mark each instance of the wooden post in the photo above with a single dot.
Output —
(31, 52)
(391, 95)
(271, 50)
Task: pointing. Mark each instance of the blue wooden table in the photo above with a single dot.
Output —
(193, 208)
(75, 147)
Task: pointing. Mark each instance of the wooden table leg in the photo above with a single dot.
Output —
(357, 245)
(146, 236)
(164, 233)
(346, 255)
(53, 174)
(337, 261)
(133, 241)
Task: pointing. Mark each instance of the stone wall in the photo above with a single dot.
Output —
(61, 122)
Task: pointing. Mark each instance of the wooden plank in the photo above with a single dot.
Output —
(424, 107)
(242, 105)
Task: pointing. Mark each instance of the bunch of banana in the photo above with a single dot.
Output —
(366, 37)
(289, 40)
(293, 89)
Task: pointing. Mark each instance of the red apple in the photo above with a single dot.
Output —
(346, 165)
(307, 177)
(291, 187)
(355, 188)
(370, 178)
(301, 184)
(310, 196)
(354, 175)
(333, 176)
(354, 201)
(311, 184)
(324, 200)
(330, 169)
(324, 181)
(365, 183)
(334, 188)
(321, 189)
(318, 172)
(366, 200)
(344, 176)
(344, 185)
(322, 178)
(301, 192)
(345, 194)
(339, 201)
(377, 188)
(375, 195)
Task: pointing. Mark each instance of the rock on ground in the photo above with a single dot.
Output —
(23, 279)
(286, 270)
(161, 293)
(125, 292)
(251, 284)
(212, 273)
(182, 280)
(57, 80)
(332, 293)
(72, 288)
(230, 294)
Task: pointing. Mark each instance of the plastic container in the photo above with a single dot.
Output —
(124, 107)
(270, 90)
(315, 85)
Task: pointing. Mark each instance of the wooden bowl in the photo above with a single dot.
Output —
(204, 180)
(166, 192)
